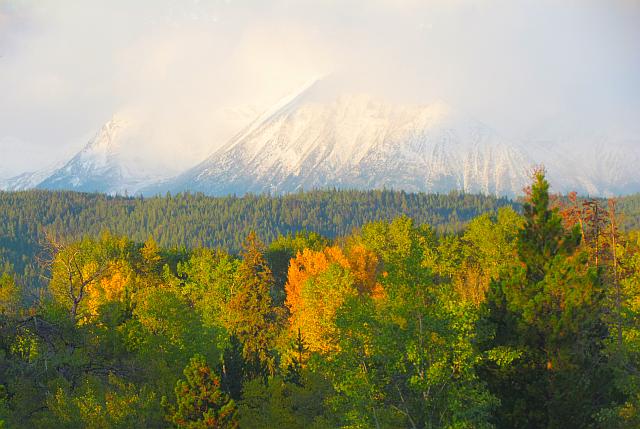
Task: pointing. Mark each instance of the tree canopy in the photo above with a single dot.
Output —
(525, 317)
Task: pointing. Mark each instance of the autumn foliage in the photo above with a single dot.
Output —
(315, 276)
(519, 319)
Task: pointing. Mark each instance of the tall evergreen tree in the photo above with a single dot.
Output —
(546, 360)
(253, 319)
(201, 404)
(232, 368)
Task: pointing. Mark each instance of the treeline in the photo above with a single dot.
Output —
(518, 321)
(192, 221)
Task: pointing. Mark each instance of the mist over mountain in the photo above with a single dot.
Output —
(561, 72)
(327, 136)
(316, 139)
(99, 166)
(105, 164)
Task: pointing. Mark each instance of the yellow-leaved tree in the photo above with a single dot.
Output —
(319, 282)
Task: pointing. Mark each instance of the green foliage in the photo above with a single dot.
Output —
(485, 250)
(282, 404)
(193, 221)
(113, 404)
(543, 237)
(200, 403)
(207, 280)
(10, 295)
(501, 320)
(546, 359)
(626, 350)
(408, 357)
(630, 208)
(252, 317)
(164, 333)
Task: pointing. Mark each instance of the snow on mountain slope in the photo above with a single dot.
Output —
(321, 137)
(99, 166)
(612, 166)
(598, 168)
(102, 165)
(136, 148)
(357, 141)
(27, 180)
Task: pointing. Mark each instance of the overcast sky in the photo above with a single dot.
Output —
(198, 70)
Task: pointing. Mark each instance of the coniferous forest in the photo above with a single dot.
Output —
(325, 309)
(187, 221)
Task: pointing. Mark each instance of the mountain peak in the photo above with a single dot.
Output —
(319, 138)
(106, 139)
(100, 165)
(325, 136)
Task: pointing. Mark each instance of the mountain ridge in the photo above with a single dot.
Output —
(354, 141)
(319, 138)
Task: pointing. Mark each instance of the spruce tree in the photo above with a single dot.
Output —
(201, 404)
(545, 360)
(293, 373)
(232, 368)
(253, 319)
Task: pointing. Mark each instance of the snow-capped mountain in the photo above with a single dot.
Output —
(134, 149)
(28, 180)
(323, 138)
(356, 141)
(101, 166)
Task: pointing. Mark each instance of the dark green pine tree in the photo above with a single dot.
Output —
(545, 360)
(201, 404)
(253, 318)
(293, 373)
(232, 369)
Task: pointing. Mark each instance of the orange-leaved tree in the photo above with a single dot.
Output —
(319, 282)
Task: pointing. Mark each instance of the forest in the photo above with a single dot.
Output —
(188, 221)
(319, 310)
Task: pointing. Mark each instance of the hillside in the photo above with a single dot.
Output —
(187, 220)
(195, 220)
(630, 208)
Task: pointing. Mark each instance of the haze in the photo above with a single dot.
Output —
(195, 72)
